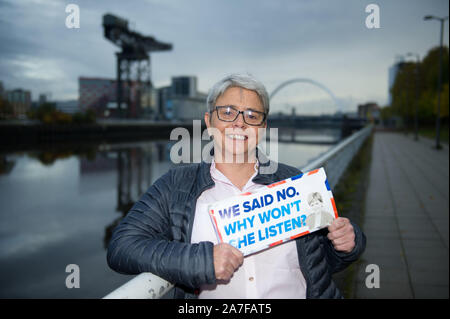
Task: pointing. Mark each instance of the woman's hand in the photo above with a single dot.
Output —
(342, 235)
(227, 260)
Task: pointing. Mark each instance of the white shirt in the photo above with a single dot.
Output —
(272, 273)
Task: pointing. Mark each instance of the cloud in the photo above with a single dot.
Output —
(323, 40)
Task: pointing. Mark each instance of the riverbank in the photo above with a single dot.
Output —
(23, 135)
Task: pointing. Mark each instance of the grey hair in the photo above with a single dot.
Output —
(242, 80)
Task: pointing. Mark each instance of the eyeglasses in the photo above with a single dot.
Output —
(229, 113)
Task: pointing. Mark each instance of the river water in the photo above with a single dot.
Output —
(59, 206)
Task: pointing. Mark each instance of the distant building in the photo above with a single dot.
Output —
(165, 105)
(69, 107)
(349, 115)
(44, 98)
(178, 101)
(100, 95)
(20, 100)
(96, 94)
(184, 86)
(393, 70)
(181, 100)
(149, 103)
(369, 111)
(189, 108)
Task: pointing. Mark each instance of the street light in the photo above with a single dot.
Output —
(416, 120)
(438, 120)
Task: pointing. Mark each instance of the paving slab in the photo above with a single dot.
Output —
(406, 219)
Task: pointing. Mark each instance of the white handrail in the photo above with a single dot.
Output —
(144, 286)
(336, 159)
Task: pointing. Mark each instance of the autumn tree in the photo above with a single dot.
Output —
(418, 83)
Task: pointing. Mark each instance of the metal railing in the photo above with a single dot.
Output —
(335, 161)
(143, 286)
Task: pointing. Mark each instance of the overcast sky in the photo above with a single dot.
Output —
(323, 40)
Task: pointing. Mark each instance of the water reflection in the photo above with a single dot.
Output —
(6, 165)
(137, 168)
(60, 205)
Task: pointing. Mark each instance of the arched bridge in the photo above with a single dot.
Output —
(337, 121)
(315, 83)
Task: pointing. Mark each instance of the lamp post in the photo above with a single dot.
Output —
(438, 119)
(416, 111)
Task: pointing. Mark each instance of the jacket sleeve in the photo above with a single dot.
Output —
(338, 260)
(142, 242)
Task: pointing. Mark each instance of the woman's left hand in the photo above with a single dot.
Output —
(342, 235)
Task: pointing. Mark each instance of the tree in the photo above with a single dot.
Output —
(6, 109)
(405, 89)
(47, 113)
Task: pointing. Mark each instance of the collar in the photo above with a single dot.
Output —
(217, 175)
(263, 161)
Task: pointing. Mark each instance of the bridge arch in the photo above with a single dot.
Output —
(305, 80)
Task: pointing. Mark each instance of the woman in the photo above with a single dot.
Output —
(168, 231)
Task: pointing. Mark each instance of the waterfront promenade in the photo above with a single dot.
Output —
(406, 219)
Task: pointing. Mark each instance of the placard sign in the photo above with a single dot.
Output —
(277, 213)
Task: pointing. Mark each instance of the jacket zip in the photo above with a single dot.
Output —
(194, 206)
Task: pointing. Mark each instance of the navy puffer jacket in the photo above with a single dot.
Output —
(155, 237)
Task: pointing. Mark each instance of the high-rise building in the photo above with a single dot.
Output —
(185, 86)
(393, 70)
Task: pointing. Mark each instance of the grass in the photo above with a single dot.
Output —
(430, 132)
(350, 196)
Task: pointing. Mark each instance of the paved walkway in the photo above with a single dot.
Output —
(407, 219)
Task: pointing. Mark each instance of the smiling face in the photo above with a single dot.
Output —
(235, 141)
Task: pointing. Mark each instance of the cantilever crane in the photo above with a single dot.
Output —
(135, 49)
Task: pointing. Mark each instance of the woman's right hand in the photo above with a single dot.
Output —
(227, 259)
